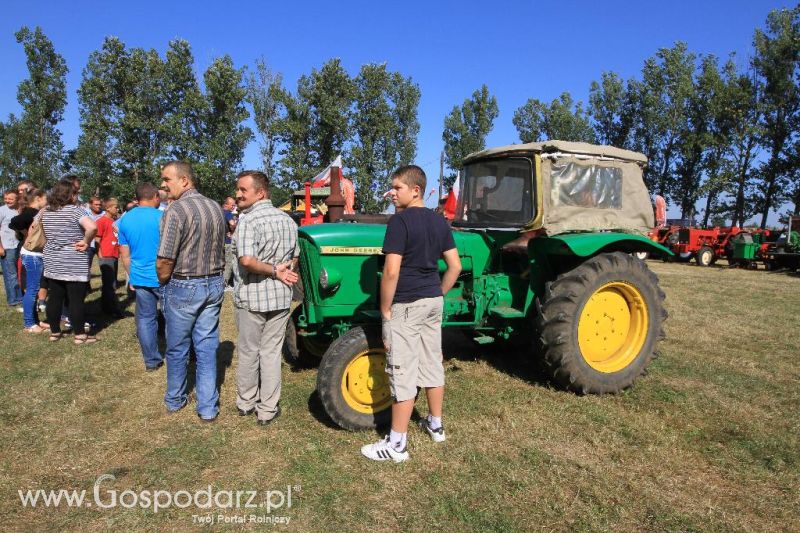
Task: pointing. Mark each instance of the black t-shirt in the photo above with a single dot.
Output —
(421, 237)
(23, 221)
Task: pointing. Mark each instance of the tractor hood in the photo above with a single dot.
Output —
(345, 239)
(367, 239)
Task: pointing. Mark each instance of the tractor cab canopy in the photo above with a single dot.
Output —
(557, 186)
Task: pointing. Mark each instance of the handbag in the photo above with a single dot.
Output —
(36, 238)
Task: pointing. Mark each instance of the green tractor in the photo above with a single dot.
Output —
(546, 233)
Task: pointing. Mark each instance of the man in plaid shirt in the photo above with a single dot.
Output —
(265, 244)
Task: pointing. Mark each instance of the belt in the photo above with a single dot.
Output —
(206, 276)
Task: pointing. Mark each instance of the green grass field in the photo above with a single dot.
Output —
(708, 440)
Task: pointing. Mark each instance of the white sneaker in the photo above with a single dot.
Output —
(384, 451)
(436, 434)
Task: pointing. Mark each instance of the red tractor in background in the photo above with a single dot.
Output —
(705, 245)
(708, 245)
(698, 243)
(663, 235)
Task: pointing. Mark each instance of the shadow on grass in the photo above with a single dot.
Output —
(224, 362)
(518, 359)
(513, 359)
(317, 411)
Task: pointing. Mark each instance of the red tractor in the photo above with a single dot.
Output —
(697, 243)
(662, 235)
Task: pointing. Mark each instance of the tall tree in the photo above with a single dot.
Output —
(295, 164)
(385, 126)
(12, 151)
(328, 94)
(100, 103)
(33, 142)
(184, 103)
(224, 135)
(612, 108)
(732, 144)
(264, 94)
(695, 138)
(143, 138)
(662, 104)
(777, 63)
(563, 119)
(466, 128)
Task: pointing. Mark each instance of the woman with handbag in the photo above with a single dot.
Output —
(29, 228)
(69, 231)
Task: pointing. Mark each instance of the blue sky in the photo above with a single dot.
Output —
(519, 49)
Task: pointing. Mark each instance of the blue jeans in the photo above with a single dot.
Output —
(147, 324)
(34, 265)
(9, 263)
(191, 310)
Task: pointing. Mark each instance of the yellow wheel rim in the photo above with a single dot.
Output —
(365, 385)
(612, 327)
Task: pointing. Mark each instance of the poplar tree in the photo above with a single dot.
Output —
(32, 147)
(385, 126)
(562, 119)
(466, 128)
(777, 64)
(224, 136)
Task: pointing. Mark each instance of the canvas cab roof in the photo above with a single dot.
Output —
(566, 147)
(577, 186)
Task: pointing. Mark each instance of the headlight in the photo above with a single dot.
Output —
(329, 279)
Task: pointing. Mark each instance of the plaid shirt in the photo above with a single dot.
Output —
(192, 234)
(270, 235)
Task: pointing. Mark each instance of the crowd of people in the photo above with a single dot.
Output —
(49, 241)
(179, 250)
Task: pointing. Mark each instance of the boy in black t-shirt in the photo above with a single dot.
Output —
(411, 308)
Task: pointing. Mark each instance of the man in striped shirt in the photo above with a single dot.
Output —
(190, 262)
(265, 243)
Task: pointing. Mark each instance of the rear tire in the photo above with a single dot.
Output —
(352, 383)
(600, 322)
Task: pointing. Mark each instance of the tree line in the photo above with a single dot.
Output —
(726, 138)
(715, 135)
(139, 110)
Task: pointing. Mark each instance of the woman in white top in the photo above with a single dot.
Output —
(32, 262)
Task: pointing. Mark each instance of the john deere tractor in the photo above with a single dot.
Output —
(546, 233)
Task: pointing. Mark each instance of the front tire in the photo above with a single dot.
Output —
(600, 322)
(352, 383)
(295, 348)
(705, 256)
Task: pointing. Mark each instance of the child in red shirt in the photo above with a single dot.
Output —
(108, 257)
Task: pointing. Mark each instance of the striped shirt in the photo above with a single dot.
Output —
(270, 235)
(63, 229)
(192, 234)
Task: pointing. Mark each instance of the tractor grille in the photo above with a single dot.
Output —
(310, 267)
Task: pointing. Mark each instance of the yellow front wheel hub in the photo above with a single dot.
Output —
(612, 327)
(365, 385)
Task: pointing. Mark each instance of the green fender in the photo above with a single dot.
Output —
(549, 255)
(589, 244)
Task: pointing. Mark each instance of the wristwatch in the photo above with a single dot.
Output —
(274, 271)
